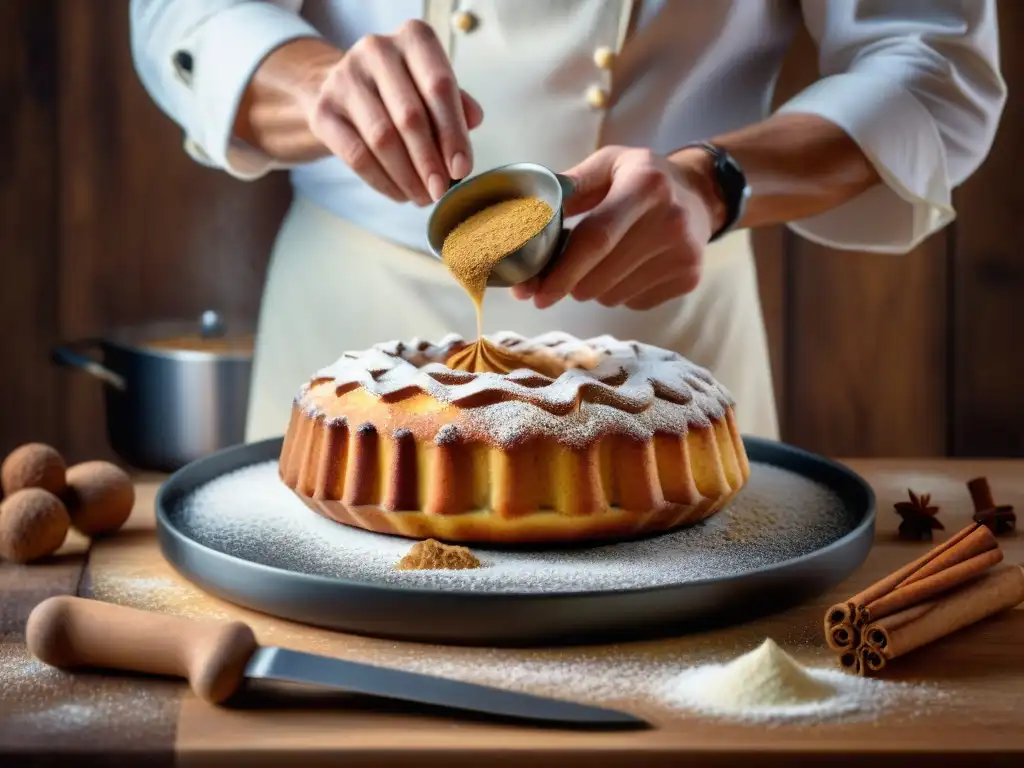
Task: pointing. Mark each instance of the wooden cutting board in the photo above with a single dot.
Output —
(978, 674)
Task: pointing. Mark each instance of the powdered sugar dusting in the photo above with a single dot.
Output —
(609, 386)
(779, 515)
(667, 682)
(39, 702)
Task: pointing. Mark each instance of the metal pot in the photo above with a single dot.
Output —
(175, 391)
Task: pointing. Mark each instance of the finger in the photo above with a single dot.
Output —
(635, 249)
(432, 73)
(593, 179)
(367, 114)
(525, 290)
(663, 268)
(343, 140)
(473, 111)
(592, 240)
(659, 294)
(402, 100)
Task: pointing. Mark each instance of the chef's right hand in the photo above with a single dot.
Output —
(391, 109)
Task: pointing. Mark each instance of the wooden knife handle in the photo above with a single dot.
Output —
(69, 632)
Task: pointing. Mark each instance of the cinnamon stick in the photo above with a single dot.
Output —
(852, 611)
(980, 539)
(902, 632)
(842, 636)
(852, 661)
(943, 581)
(981, 494)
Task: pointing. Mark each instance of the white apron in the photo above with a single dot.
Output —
(333, 286)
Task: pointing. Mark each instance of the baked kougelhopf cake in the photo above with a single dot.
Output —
(621, 439)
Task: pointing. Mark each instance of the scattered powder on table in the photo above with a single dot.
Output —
(252, 515)
(38, 701)
(432, 555)
(681, 684)
(152, 593)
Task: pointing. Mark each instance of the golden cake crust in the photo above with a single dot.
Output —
(630, 439)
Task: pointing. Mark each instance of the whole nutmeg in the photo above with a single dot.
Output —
(100, 497)
(33, 524)
(33, 465)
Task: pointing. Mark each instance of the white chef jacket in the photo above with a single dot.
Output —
(915, 83)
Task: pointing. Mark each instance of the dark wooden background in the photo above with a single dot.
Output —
(104, 221)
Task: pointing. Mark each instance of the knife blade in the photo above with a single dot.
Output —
(284, 665)
(218, 657)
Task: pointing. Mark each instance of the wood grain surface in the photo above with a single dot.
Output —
(977, 674)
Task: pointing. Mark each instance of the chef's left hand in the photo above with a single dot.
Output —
(642, 242)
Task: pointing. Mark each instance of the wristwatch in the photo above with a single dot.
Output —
(732, 185)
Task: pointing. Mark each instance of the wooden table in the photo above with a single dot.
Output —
(49, 716)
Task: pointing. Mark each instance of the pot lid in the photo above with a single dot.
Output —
(210, 334)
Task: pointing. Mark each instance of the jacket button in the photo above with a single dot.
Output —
(597, 97)
(464, 21)
(604, 57)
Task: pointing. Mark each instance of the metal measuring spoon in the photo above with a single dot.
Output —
(466, 197)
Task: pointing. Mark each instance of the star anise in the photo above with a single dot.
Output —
(1000, 519)
(918, 517)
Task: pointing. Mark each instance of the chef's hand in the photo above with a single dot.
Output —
(391, 109)
(641, 243)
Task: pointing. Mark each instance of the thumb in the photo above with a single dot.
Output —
(593, 179)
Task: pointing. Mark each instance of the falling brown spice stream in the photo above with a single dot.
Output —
(471, 251)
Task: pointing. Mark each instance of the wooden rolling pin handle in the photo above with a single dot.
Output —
(68, 632)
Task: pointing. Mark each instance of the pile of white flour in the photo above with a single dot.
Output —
(768, 684)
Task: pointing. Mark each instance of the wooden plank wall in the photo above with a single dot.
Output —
(860, 340)
(145, 233)
(104, 221)
(987, 280)
(30, 403)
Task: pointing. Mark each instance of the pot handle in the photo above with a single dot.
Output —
(67, 356)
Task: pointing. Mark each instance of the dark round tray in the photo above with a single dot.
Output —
(488, 618)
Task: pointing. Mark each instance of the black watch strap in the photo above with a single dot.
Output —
(732, 185)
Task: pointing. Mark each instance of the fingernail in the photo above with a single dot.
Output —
(436, 186)
(460, 166)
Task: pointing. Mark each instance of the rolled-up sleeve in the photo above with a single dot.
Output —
(196, 57)
(917, 85)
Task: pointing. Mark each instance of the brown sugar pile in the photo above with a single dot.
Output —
(487, 357)
(432, 555)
